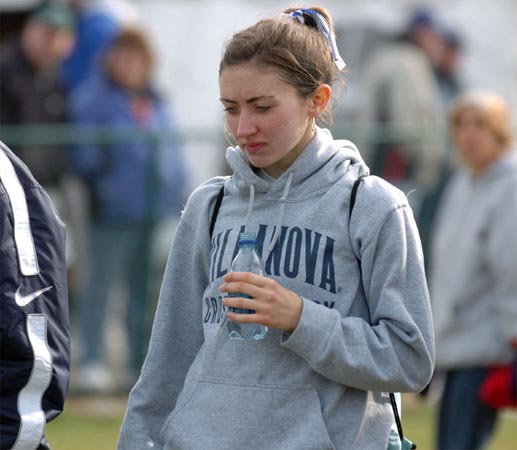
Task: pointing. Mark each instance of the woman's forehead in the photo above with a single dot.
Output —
(247, 81)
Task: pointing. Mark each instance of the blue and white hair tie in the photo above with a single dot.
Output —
(323, 28)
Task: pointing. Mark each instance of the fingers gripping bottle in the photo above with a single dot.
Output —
(246, 260)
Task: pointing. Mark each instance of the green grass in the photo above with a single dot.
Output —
(87, 424)
(94, 423)
(82, 432)
(419, 420)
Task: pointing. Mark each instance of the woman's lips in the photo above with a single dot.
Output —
(253, 146)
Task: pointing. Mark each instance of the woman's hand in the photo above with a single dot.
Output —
(274, 305)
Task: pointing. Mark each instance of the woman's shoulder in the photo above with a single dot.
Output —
(381, 195)
(211, 185)
(376, 200)
(206, 192)
(379, 205)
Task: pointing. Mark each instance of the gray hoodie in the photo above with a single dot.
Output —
(323, 386)
(474, 268)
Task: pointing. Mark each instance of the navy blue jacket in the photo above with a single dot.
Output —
(34, 316)
(134, 179)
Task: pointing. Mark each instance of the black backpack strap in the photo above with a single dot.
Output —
(353, 195)
(215, 212)
(393, 402)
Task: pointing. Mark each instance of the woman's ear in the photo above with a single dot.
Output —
(320, 100)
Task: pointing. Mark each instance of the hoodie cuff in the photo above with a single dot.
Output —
(314, 324)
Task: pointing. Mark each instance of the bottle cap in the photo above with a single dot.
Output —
(247, 238)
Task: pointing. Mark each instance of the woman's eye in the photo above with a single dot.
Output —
(263, 108)
(230, 110)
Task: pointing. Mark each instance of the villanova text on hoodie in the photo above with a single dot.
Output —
(322, 386)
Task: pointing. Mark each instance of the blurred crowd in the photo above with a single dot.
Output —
(84, 65)
(451, 151)
(406, 87)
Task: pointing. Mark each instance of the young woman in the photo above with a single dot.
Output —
(345, 301)
(473, 282)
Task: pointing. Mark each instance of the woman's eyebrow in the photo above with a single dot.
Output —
(251, 100)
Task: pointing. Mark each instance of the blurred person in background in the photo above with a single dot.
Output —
(95, 27)
(401, 111)
(473, 280)
(134, 181)
(446, 66)
(34, 313)
(31, 92)
(98, 21)
(450, 86)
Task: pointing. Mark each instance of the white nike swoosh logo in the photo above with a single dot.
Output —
(24, 300)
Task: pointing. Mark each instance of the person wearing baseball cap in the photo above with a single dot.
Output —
(31, 91)
(56, 13)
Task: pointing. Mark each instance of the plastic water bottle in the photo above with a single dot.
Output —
(246, 260)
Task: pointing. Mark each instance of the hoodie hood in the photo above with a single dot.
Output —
(318, 167)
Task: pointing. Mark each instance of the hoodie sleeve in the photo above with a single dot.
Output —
(395, 351)
(177, 333)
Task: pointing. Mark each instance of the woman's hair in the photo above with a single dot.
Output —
(298, 52)
(491, 109)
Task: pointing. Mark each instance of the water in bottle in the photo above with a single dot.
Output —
(246, 260)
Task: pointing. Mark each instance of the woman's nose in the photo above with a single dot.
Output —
(246, 125)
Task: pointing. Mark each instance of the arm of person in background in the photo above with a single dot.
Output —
(502, 254)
